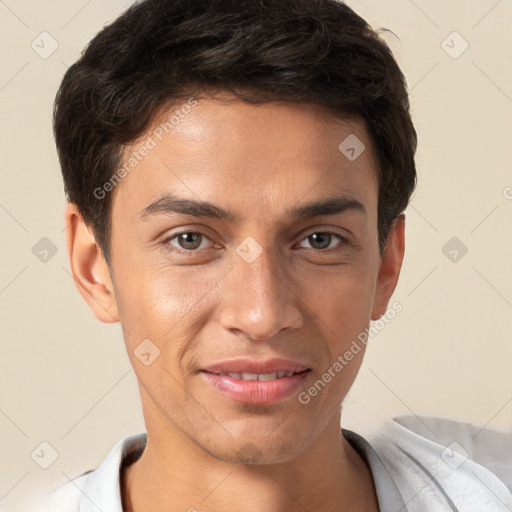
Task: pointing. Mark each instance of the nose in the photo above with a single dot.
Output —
(258, 299)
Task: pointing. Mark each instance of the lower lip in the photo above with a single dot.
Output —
(255, 391)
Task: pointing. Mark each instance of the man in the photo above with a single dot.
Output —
(237, 174)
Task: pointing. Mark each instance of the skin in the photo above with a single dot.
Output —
(297, 300)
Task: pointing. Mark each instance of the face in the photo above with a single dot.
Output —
(244, 235)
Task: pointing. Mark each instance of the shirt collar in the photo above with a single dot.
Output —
(102, 490)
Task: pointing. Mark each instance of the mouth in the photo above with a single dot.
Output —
(259, 388)
(252, 369)
(262, 377)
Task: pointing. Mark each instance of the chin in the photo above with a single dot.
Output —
(258, 452)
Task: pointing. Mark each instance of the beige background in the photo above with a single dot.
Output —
(65, 377)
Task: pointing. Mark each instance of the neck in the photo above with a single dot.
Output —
(174, 474)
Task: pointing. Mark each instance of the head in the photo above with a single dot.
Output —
(236, 175)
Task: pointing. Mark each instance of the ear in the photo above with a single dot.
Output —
(89, 268)
(390, 265)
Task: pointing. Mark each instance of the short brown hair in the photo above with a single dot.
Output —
(309, 51)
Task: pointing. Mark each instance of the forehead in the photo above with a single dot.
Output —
(266, 156)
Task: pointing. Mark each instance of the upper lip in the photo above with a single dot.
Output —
(255, 366)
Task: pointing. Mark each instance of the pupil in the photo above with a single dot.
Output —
(321, 240)
(190, 240)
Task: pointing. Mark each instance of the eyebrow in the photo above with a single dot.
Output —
(169, 203)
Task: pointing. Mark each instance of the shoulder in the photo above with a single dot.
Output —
(487, 447)
(456, 464)
(63, 498)
(67, 496)
(94, 489)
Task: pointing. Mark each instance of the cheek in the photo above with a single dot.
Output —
(160, 302)
(342, 299)
(342, 315)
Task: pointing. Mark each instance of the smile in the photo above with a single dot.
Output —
(256, 388)
(258, 376)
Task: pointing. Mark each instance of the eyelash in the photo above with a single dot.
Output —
(192, 252)
(173, 249)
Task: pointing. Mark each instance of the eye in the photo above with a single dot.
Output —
(192, 241)
(322, 240)
(187, 241)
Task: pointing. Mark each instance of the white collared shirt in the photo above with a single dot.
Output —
(418, 465)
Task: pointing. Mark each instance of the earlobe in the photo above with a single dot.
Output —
(89, 268)
(390, 265)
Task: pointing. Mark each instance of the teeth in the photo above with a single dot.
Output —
(268, 376)
(258, 376)
(249, 376)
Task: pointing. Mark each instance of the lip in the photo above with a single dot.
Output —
(255, 391)
(245, 365)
